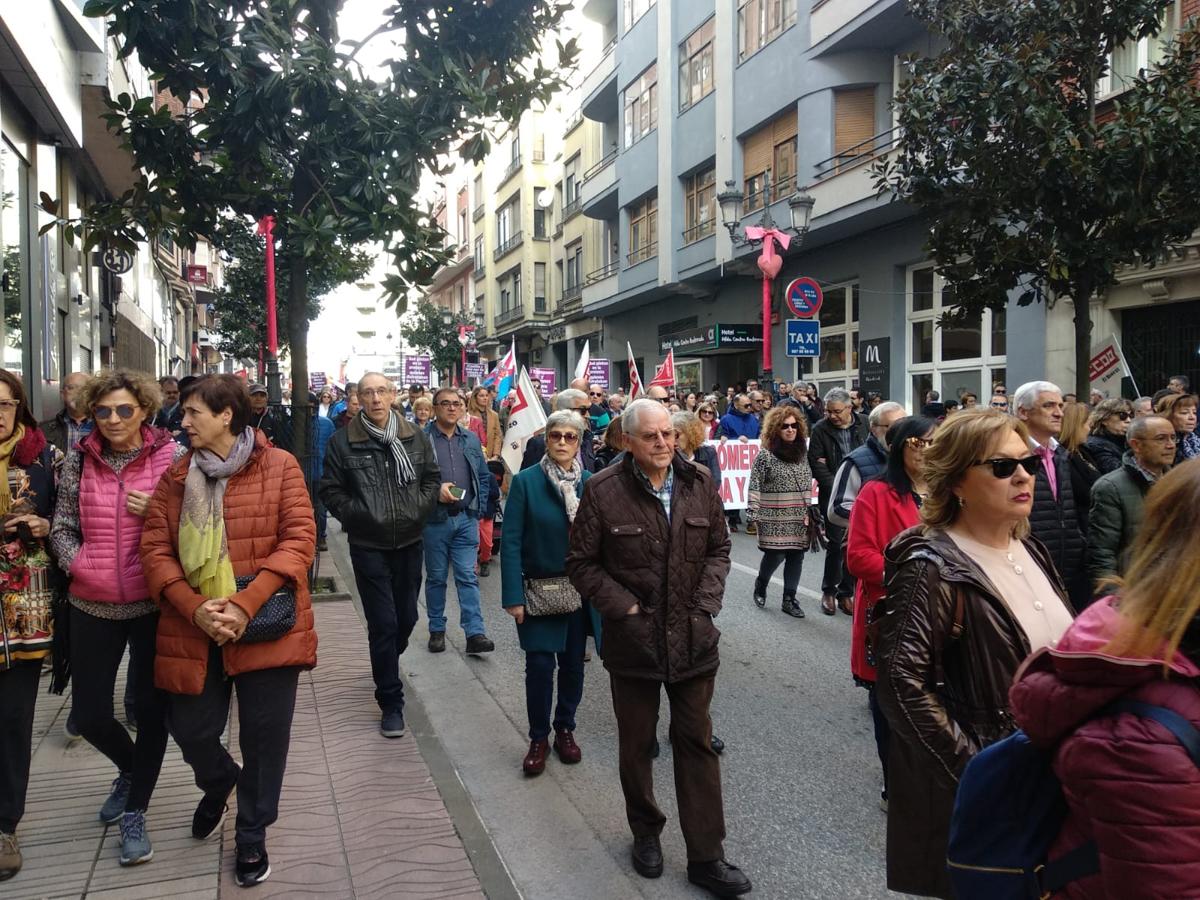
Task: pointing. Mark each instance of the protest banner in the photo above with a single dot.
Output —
(735, 459)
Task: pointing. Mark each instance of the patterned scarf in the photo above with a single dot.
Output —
(404, 469)
(203, 548)
(6, 452)
(566, 479)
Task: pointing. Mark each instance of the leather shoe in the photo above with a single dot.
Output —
(568, 751)
(828, 604)
(479, 643)
(846, 604)
(647, 856)
(437, 641)
(535, 760)
(717, 745)
(719, 877)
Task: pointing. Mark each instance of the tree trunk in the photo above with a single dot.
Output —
(1083, 340)
(298, 342)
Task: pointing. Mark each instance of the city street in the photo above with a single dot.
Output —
(800, 774)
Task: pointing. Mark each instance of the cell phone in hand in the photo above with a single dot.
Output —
(456, 492)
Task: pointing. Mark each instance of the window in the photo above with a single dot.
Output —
(539, 287)
(462, 226)
(641, 106)
(479, 190)
(571, 182)
(696, 66)
(508, 223)
(1130, 60)
(573, 272)
(949, 358)
(634, 10)
(853, 125)
(700, 204)
(760, 22)
(539, 223)
(643, 230)
(837, 363)
(769, 162)
(539, 148)
(479, 251)
(516, 148)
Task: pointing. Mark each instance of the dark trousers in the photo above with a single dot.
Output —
(697, 766)
(883, 733)
(266, 702)
(836, 579)
(389, 582)
(97, 646)
(793, 565)
(18, 695)
(539, 681)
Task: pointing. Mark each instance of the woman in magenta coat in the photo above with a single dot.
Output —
(884, 507)
(1129, 784)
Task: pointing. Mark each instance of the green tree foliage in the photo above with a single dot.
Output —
(284, 119)
(1025, 186)
(241, 300)
(423, 330)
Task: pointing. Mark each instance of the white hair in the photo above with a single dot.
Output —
(566, 418)
(876, 416)
(631, 416)
(564, 399)
(1026, 395)
(837, 395)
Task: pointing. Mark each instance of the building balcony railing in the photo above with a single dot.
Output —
(699, 231)
(601, 166)
(641, 254)
(605, 271)
(539, 156)
(507, 246)
(573, 122)
(570, 210)
(510, 315)
(513, 168)
(477, 214)
(571, 296)
(480, 272)
(862, 152)
(773, 193)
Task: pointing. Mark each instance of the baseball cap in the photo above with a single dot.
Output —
(258, 388)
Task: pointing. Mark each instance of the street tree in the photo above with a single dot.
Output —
(1031, 185)
(282, 117)
(424, 330)
(239, 301)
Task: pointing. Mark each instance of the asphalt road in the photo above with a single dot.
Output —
(801, 779)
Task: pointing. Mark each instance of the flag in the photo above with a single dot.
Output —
(581, 367)
(664, 375)
(635, 380)
(503, 374)
(525, 419)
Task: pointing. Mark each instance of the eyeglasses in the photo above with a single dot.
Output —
(789, 426)
(125, 411)
(9, 406)
(918, 443)
(562, 437)
(999, 405)
(651, 436)
(585, 411)
(1123, 416)
(372, 393)
(1004, 467)
(450, 404)
(595, 393)
(707, 412)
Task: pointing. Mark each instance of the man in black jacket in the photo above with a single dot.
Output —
(833, 439)
(381, 481)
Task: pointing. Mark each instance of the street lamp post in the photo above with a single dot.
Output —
(447, 321)
(768, 234)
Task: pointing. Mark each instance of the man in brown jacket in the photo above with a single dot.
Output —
(650, 551)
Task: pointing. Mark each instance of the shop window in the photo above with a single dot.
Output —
(837, 364)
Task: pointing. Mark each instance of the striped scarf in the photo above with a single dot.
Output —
(387, 437)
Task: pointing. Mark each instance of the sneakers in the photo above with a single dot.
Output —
(253, 867)
(210, 811)
(135, 844)
(391, 725)
(10, 856)
(485, 569)
(437, 641)
(70, 732)
(479, 643)
(114, 806)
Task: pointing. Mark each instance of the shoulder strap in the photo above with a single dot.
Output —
(1183, 730)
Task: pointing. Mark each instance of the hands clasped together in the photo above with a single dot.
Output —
(221, 619)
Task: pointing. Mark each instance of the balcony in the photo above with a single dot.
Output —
(641, 254)
(600, 86)
(513, 168)
(845, 178)
(477, 214)
(508, 246)
(572, 209)
(859, 24)
(599, 191)
(509, 316)
(571, 300)
(699, 232)
(480, 273)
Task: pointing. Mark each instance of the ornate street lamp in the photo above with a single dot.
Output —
(768, 234)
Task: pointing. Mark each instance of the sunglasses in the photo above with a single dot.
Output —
(999, 406)
(585, 411)
(595, 393)
(706, 412)
(1004, 467)
(562, 437)
(919, 443)
(1124, 416)
(125, 411)
(789, 426)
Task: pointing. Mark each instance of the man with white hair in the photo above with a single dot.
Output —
(650, 551)
(577, 401)
(1060, 502)
(864, 463)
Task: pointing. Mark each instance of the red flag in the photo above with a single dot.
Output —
(664, 375)
(635, 380)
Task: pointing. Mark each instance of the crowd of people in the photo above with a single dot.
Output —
(981, 551)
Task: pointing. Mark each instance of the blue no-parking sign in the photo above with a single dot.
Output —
(804, 297)
(803, 337)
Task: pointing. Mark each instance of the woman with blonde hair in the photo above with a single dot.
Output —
(1180, 411)
(969, 596)
(1130, 786)
(422, 410)
(1107, 424)
(689, 441)
(707, 413)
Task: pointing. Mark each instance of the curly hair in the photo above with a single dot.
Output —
(143, 387)
(961, 441)
(775, 418)
(690, 428)
(1169, 405)
(1104, 409)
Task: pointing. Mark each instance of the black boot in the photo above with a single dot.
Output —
(760, 592)
(791, 606)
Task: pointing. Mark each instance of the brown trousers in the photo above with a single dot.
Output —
(697, 766)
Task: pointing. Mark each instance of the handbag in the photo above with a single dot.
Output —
(554, 596)
(275, 618)
(817, 538)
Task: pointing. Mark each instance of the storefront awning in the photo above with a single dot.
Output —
(712, 339)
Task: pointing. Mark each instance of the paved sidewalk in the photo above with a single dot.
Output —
(360, 816)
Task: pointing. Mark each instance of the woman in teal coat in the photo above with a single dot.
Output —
(537, 521)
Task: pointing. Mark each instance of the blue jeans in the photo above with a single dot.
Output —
(539, 681)
(453, 542)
